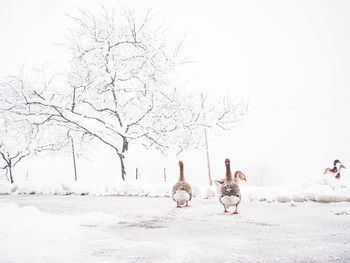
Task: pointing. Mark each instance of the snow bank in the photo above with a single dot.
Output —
(135, 188)
(318, 189)
(42, 237)
(321, 189)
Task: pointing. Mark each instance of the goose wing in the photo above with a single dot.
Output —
(231, 189)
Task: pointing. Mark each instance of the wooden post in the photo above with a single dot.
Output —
(74, 161)
(164, 171)
(208, 163)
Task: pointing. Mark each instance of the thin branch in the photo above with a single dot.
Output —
(20, 158)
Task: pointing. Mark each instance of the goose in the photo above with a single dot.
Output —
(335, 171)
(238, 177)
(230, 194)
(182, 191)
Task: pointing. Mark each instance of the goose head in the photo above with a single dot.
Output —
(341, 167)
(242, 177)
(181, 164)
(336, 161)
(227, 162)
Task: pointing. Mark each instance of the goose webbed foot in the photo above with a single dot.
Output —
(235, 212)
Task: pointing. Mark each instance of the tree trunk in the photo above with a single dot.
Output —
(74, 161)
(122, 156)
(208, 163)
(10, 172)
(137, 173)
(164, 171)
(122, 166)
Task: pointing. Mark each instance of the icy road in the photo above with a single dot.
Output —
(40, 229)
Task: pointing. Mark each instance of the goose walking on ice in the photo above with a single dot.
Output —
(182, 191)
(230, 194)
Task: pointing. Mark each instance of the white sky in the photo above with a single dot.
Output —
(291, 57)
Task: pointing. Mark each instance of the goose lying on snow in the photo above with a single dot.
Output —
(230, 194)
(182, 191)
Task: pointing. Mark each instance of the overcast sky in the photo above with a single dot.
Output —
(292, 58)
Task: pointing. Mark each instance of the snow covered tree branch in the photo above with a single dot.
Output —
(19, 139)
(120, 89)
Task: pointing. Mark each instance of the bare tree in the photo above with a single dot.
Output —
(15, 140)
(19, 139)
(120, 88)
(11, 160)
(24, 131)
(52, 133)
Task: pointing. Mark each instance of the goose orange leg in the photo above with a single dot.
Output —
(177, 205)
(187, 205)
(236, 211)
(225, 211)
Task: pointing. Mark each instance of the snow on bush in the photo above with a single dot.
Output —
(319, 189)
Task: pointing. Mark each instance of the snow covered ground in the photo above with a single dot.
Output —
(39, 228)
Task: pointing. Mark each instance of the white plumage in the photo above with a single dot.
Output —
(181, 196)
(228, 201)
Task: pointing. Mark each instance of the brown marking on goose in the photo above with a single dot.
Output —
(329, 170)
(238, 177)
(335, 170)
(228, 176)
(230, 190)
(181, 177)
(181, 185)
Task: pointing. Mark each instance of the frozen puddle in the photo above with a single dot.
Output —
(54, 229)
